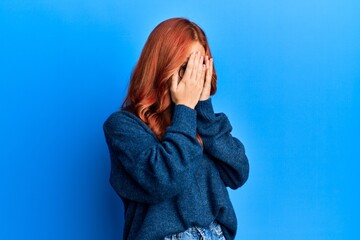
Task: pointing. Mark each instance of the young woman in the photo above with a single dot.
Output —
(172, 157)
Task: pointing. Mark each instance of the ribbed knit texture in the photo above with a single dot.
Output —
(170, 185)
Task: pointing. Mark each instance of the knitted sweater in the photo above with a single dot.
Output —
(170, 185)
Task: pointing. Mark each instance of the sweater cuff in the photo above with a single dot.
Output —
(205, 109)
(184, 118)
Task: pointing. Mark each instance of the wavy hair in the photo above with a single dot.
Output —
(148, 94)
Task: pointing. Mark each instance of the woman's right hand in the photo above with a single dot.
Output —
(187, 90)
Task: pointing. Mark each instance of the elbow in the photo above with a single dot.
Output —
(242, 169)
(244, 176)
(241, 176)
(155, 189)
(131, 190)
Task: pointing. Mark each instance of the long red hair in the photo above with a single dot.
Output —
(148, 95)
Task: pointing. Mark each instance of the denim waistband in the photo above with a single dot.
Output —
(212, 232)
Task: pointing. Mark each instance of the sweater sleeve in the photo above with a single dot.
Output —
(227, 151)
(144, 169)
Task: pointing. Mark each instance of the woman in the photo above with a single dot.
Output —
(172, 157)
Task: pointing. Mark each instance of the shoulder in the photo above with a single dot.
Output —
(124, 122)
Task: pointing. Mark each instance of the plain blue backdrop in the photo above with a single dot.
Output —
(288, 79)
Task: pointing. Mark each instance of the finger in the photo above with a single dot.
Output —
(202, 77)
(209, 71)
(200, 68)
(195, 66)
(207, 62)
(208, 77)
(190, 66)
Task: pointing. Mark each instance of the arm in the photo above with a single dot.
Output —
(228, 151)
(146, 170)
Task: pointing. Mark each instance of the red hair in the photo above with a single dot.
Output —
(148, 95)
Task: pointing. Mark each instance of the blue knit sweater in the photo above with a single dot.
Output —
(170, 185)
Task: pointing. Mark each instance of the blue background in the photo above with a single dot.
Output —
(288, 79)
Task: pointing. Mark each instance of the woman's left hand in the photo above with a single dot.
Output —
(205, 94)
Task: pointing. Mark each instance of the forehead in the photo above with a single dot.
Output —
(195, 46)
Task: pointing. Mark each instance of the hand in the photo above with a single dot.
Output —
(205, 94)
(188, 90)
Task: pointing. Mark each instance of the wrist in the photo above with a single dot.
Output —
(204, 98)
(188, 103)
(205, 109)
(185, 104)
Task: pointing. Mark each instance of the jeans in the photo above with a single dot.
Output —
(213, 232)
